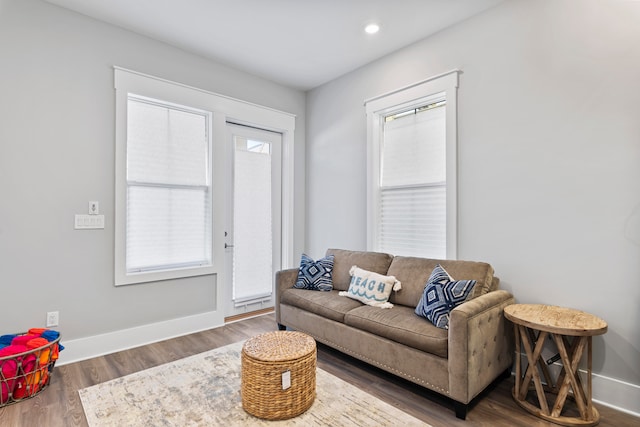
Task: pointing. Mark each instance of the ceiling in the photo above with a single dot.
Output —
(296, 43)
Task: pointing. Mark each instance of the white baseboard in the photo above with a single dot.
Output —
(616, 394)
(111, 342)
(611, 392)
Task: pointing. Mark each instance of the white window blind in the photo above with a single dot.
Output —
(168, 215)
(253, 235)
(412, 217)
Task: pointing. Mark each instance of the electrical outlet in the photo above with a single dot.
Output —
(53, 318)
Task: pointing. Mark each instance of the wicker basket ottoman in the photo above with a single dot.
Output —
(278, 374)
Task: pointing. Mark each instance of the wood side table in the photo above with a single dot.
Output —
(533, 323)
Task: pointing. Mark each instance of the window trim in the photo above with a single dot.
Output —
(224, 109)
(167, 94)
(413, 96)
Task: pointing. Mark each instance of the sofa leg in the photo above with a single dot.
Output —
(281, 327)
(461, 410)
(506, 374)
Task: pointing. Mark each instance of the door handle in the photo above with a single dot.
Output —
(227, 246)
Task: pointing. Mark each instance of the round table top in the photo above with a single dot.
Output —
(279, 346)
(556, 320)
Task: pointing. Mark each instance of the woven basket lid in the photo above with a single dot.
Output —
(279, 346)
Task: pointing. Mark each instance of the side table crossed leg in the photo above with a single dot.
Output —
(572, 332)
(569, 377)
(568, 380)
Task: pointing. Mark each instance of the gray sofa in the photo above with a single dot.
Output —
(459, 362)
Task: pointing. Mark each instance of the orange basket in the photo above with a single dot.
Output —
(24, 375)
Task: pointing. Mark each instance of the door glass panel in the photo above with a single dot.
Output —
(252, 220)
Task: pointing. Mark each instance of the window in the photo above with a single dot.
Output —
(168, 222)
(164, 182)
(412, 190)
(412, 170)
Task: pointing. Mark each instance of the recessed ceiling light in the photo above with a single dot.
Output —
(372, 28)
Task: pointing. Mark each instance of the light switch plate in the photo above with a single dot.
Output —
(87, 222)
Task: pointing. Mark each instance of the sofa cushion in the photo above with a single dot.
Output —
(414, 274)
(441, 295)
(327, 304)
(344, 260)
(315, 275)
(371, 288)
(401, 325)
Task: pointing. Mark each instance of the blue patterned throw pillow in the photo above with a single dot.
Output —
(441, 295)
(315, 275)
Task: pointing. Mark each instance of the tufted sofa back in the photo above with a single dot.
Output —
(412, 272)
(345, 259)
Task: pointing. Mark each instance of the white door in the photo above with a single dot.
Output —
(253, 225)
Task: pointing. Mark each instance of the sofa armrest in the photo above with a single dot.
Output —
(481, 344)
(285, 279)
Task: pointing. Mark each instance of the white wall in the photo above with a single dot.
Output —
(548, 151)
(57, 153)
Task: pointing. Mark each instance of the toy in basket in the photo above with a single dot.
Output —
(26, 363)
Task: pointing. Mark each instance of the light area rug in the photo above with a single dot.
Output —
(204, 390)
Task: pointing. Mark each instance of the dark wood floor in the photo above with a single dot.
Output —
(59, 405)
